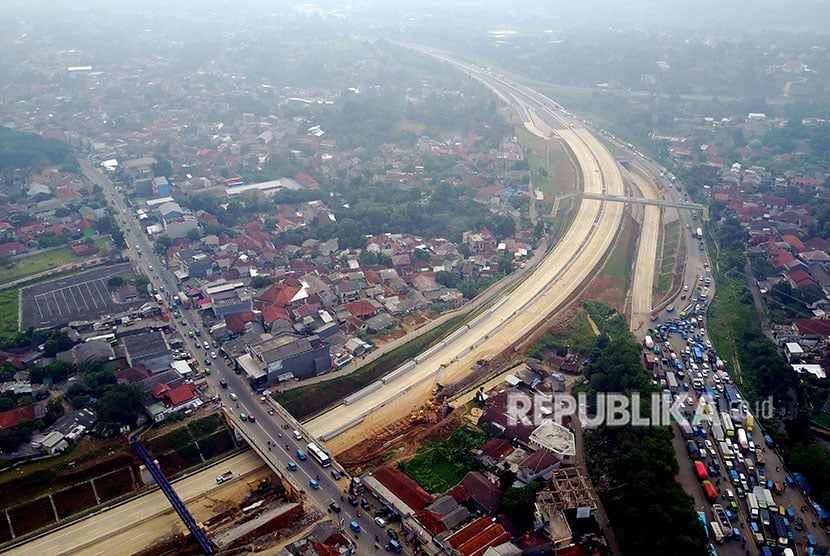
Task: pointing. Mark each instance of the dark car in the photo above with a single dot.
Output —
(392, 534)
(353, 500)
(365, 504)
(335, 507)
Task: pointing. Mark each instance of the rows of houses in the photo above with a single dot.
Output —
(466, 519)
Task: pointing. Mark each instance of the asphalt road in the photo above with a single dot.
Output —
(551, 285)
(104, 532)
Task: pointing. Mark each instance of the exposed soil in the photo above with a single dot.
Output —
(603, 289)
(115, 484)
(74, 499)
(397, 442)
(31, 516)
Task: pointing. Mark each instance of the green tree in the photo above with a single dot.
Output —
(447, 279)
(118, 239)
(121, 404)
(162, 168)
(115, 282)
(57, 342)
(261, 281)
(518, 502)
(162, 243)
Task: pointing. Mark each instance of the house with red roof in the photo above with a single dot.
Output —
(800, 278)
(794, 242)
(281, 295)
(538, 464)
(484, 493)
(779, 258)
(362, 308)
(400, 493)
(475, 538)
(13, 417)
(12, 248)
(818, 327)
(171, 400)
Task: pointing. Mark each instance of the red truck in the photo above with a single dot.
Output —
(700, 469)
(710, 491)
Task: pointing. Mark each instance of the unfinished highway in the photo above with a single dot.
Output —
(513, 317)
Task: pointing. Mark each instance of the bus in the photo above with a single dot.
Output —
(108, 337)
(726, 422)
(319, 455)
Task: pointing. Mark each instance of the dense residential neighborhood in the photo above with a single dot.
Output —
(211, 234)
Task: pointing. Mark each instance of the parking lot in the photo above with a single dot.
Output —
(83, 296)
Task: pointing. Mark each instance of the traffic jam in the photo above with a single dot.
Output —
(728, 451)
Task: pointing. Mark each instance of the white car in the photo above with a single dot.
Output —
(711, 448)
(213, 355)
(381, 523)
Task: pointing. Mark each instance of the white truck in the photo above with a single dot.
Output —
(226, 476)
(742, 441)
(752, 502)
(770, 501)
(649, 343)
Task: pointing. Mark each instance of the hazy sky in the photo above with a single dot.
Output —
(719, 15)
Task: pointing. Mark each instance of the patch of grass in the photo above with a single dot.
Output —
(309, 400)
(8, 312)
(441, 465)
(608, 320)
(74, 499)
(671, 237)
(620, 263)
(580, 332)
(727, 313)
(174, 440)
(434, 476)
(205, 426)
(549, 164)
(41, 262)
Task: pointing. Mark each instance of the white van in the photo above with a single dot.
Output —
(296, 434)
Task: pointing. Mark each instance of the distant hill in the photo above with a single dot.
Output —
(25, 150)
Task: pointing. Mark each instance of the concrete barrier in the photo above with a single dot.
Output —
(397, 373)
(340, 429)
(362, 393)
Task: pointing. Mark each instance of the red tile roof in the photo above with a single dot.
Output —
(159, 390)
(459, 493)
(182, 394)
(236, 321)
(477, 537)
(538, 461)
(273, 313)
(278, 294)
(812, 326)
(482, 490)
(780, 258)
(793, 242)
(801, 277)
(430, 521)
(403, 487)
(497, 448)
(361, 308)
(13, 417)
